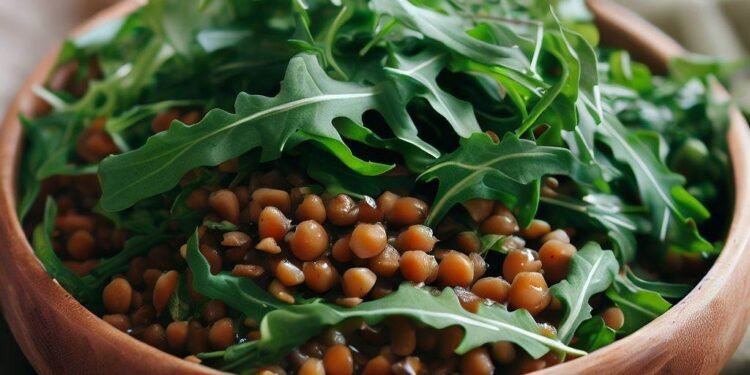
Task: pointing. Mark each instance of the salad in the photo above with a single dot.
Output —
(376, 187)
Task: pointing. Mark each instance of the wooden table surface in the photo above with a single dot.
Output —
(20, 32)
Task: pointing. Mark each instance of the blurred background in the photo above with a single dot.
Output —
(31, 28)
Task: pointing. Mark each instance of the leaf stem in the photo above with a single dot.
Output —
(344, 15)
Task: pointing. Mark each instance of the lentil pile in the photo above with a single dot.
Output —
(331, 188)
(293, 242)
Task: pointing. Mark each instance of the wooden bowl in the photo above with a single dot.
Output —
(59, 336)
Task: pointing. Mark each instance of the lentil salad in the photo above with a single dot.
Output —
(455, 223)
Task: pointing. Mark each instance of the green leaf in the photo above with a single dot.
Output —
(674, 212)
(421, 72)
(493, 242)
(693, 65)
(309, 101)
(337, 179)
(449, 29)
(238, 292)
(664, 289)
(481, 168)
(42, 243)
(287, 328)
(639, 306)
(594, 334)
(591, 271)
(51, 141)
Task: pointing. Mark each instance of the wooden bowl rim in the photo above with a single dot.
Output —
(657, 44)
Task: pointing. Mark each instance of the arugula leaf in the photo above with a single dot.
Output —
(284, 329)
(238, 292)
(421, 72)
(42, 243)
(493, 242)
(337, 179)
(694, 65)
(309, 101)
(591, 271)
(449, 29)
(639, 306)
(594, 334)
(482, 169)
(673, 210)
(664, 289)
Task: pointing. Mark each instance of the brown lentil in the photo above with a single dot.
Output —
(309, 240)
(358, 281)
(280, 292)
(119, 321)
(555, 257)
(386, 263)
(407, 366)
(311, 208)
(449, 340)
(273, 224)
(380, 365)
(480, 266)
(456, 270)
(247, 270)
(320, 275)
(407, 211)
(403, 335)
(416, 237)
(212, 257)
(235, 239)
(503, 352)
(225, 203)
(468, 242)
(613, 318)
(312, 366)
(117, 295)
(268, 245)
(369, 212)
(280, 199)
(213, 310)
(368, 240)
(197, 339)
(342, 211)
(503, 224)
(558, 234)
(81, 245)
(289, 274)
(341, 251)
(518, 261)
(177, 333)
(155, 336)
(221, 334)
(536, 230)
(477, 362)
(416, 265)
(529, 291)
(479, 209)
(386, 201)
(492, 288)
(338, 361)
(163, 290)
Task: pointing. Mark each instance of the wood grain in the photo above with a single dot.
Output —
(59, 336)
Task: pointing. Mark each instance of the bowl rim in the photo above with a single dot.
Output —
(670, 326)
